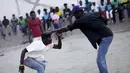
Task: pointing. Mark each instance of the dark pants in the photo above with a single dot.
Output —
(128, 10)
(120, 14)
(46, 23)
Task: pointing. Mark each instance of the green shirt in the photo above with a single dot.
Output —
(22, 22)
(116, 3)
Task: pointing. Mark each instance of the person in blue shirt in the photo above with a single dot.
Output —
(88, 6)
(46, 21)
(102, 8)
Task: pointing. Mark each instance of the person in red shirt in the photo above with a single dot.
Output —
(34, 25)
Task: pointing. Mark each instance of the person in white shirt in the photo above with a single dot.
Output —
(56, 21)
(81, 4)
(94, 7)
(39, 14)
(35, 53)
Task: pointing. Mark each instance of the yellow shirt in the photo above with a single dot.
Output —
(123, 1)
(59, 13)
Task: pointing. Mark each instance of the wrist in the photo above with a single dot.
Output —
(21, 65)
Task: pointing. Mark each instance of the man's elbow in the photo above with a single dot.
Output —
(24, 50)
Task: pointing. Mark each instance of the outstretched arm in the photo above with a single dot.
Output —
(61, 30)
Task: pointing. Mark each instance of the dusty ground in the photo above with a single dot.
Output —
(76, 56)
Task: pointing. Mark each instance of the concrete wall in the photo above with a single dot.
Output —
(17, 7)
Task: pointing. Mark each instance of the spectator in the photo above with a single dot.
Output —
(123, 6)
(81, 4)
(51, 12)
(27, 17)
(109, 11)
(94, 7)
(55, 18)
(1, 29)
(28, 31)
(5, 23)
(73, 5)
(14, 22)
(58, 12)
(128, 9)
(23, 25)
(46, 21)
(56, 21)
(40, 14)
(102, 9)
(116, 7)
(66, 11)
(88, 6)
(50, 16)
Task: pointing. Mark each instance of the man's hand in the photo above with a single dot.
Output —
(58, 35)
(21, 69)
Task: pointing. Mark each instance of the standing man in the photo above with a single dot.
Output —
(102, 9)
(23, 25)
(39, 14)
(67, 13)
(14, 22)
(94, 28)
(73, 5)
(46, 20)
(116, 8)
(1, 29)
(5, 23)
(88, 6)
(28, 31)
(36, 50)
(94, 7)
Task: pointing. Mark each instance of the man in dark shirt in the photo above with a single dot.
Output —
(94, 27)
(5, 23)
(67, 13)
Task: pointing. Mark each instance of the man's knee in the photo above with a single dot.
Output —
(41, 69)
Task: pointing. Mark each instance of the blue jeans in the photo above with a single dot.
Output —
(35, 64)
(102, 51)
(57, 25)
(23, 28)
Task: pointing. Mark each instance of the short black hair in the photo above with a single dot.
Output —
(54, 10)
(4, 17)
(44, 9)
(45, 36)
(65, 4)
(32, 12)
(57, 7)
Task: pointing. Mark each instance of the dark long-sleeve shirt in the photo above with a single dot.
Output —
(93, 26)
